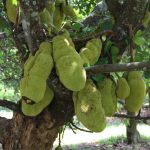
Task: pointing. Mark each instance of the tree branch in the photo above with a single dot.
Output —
(132, 117)
(10, 105)
(4, 126)
(143, 66)
(114, 7)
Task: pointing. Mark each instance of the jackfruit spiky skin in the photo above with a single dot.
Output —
(68, 63)
(62, 47)
(59, 2)
(123, 89)
(91, 51)
(11, 6)
(46, 48)
(33, 88)
(69, 11)
(50, 7)
(58, 18)
(46, 19)
(37, 108)
(88, 107)
(105, 88)
(146, 19)
(135, 100)
(36, 72)
(71, 72)
(42, 66)
(134, 75)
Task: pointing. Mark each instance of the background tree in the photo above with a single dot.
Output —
(116, 21)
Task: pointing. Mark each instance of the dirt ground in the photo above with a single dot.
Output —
(120, 145)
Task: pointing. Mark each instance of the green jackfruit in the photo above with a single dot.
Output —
(69, 11)
(42, 66)
(46, 19)
(123, 89)
(105, 88)
(33, 88)
(62, 47)
(135, 100)
(59, 2)
(91, 51)
(37, 108)
(71, 72)
(134, 75)
(58, 18)
(36, 72)
(46, 48)
(88, 108)
(50, 7)
(146, 19)
(12, 6)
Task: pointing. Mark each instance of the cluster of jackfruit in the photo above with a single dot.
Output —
(33, 87)
(88, 107)
(107, 89)
(69, 66)
(54, 13)
(134, 101)
(132, 90)
(91, 52)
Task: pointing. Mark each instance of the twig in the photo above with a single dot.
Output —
(80, 128)
(131, 117)
(10, 105)
(87, 38)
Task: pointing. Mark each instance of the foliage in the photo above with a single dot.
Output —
(85, 6)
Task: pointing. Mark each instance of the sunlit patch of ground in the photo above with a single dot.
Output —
(113, 131)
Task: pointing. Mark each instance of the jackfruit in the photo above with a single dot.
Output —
(146, 19)
(59, 2)
(37, 68)
(71, 72)
(91, 51)
(33, 88)
(46, 19)
(134, 75)
(135, 100)
(37, 108)
(58, 18)
(69, 11)
(88, 108)
(123, 89)
(46, 48)
(50, 7)
(62, 47)
(29, 64)
(12, 6)
(105, 88)
(42, 66)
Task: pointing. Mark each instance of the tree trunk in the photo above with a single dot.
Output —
(133, 135)
(31, 133)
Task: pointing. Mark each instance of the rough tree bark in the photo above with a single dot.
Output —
(30, 133)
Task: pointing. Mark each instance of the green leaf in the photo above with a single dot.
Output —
(139, 41)
(98, 77)
(108, 46)
(76, 26)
